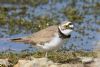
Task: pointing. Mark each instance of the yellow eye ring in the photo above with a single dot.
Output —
(66, 26)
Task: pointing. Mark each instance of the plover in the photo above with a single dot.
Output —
(50, 38)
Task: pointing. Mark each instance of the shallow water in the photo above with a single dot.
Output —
(85, 40)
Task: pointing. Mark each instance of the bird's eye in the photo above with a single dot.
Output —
(66, 26)
(70, 24)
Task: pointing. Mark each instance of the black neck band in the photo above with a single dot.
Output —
(61, 35)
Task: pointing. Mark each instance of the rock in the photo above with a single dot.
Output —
(90, 62)
(72, 65)
(54, 65)
(4, 62)
(86, 59)
(36, 62)
(21, 63)
(44, 62)
(96, 62)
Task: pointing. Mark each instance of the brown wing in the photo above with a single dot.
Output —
(44, 35)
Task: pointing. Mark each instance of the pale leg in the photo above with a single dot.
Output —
(46, 54)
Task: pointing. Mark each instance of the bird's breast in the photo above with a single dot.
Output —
(55, 43)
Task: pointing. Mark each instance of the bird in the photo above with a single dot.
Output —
(50, 38)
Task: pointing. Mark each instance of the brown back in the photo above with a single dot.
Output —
(44, 35)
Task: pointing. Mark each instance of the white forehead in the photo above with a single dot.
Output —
(66, 23)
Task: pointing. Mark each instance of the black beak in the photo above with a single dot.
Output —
(72, 28)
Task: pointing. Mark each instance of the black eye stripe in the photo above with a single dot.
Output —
(70, 24)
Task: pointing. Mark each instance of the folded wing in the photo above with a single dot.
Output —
(39, 37)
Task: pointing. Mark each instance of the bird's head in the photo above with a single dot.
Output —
(66, 28)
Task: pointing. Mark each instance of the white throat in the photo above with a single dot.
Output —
(66, 32)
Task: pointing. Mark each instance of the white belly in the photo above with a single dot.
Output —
(55, 43)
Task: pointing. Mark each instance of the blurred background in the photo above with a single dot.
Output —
(19, 18)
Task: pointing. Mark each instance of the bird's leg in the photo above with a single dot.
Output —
(46, 54)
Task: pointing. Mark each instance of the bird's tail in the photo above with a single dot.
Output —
(12, 39)
(17, 40)
(21, 40)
